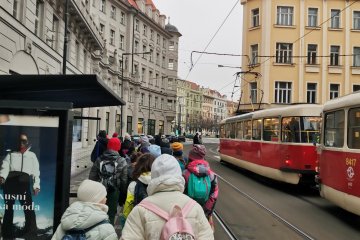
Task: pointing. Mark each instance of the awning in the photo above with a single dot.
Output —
(81, 90)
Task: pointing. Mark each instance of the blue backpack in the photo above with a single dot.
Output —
(199, 188)
(80, 234)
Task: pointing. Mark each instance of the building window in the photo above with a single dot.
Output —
(171, 45)
(140, 126)
(163, 62)
(77, 51)
(156, 80)
(85, 61)
(18, 9)
(129, 124)
(164, 43)
(170, 83)
(145, 30)
(356, 62)
(39, 17)
(150, 77)
(130, 95)
(254, 54)
(112, 37)
(311, 93)
(113, 12)
(142, 102)
(335, 18)
(170, 105)
(158, 59)
(117, 123)
(122, 18)
(55, 33)
(102, 6)
(107, 121)
(356, 88)
(334, 91)
(162, 104)
(171, 64)
(151, 55)
(312, 17)
(282, 92)
(284, 53)
(253, 92)
(255, 17)
(334, 55)
(158, 39)
(356, 24)
(285, 16)
(143, 72)
(311, 54)
(151, 35)
(156, 102)
(136, 47)
(137, 25)
(121, 41)
(69, 46)
(102, 29)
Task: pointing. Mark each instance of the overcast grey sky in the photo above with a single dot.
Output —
(198, 21)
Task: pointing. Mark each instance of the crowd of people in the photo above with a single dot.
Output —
(162, 193)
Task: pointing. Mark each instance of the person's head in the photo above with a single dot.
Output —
(115, 135)
(102, 134)
(127, 136)
(152, 141)
(144, 139)
(177, 149)
(114, 144)
(154, 150)
(198, 152)
(166, 175)
(92, 191)
(23, 141)
(196, 134)
(134, 157)
(143, 165)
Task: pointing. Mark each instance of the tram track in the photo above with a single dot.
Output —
(228, 230)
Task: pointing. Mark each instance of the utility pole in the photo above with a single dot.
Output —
(65, 36)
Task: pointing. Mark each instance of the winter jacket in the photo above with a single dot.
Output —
(196, 139)
(202, 168)
(165, 192)
(99, 148)
(82, 215)
(129, 203)
(26, 162)
(126, 148)
(121, 169)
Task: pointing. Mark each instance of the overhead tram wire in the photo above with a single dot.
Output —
(221, 25)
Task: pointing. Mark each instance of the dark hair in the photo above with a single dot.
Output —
(143, 164)
(102, 133)
(134, 156)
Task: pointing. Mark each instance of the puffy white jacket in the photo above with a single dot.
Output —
(165, 192)
(26, 162)
(82, 215)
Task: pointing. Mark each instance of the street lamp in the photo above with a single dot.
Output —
(122, 86)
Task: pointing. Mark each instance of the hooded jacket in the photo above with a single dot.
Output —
(82, 215)
(164, 191)
(121, 169)
(26, 162)
(99, 148)
(129, 203)
(201, 168)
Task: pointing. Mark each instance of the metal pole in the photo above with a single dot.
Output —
(148, 129)
(122, 94)
(65, 36)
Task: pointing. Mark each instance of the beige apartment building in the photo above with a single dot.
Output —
(300, 51)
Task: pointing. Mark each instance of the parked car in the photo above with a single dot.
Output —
(189, 136)
(171, 138)
(181, 138)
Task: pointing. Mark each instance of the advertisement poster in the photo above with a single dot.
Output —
(28, 156)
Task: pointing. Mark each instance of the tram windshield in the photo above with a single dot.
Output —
(300, 129)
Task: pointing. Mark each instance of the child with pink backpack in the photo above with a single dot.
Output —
(167, 213)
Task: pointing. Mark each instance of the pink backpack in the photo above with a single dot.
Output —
(177, 226)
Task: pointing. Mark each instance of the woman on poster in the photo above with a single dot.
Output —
(16, 172)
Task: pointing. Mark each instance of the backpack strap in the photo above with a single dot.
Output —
(188, 206)
(97, 224)
(155, 209)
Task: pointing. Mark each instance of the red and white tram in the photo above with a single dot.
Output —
(339, 170)
(276, 143)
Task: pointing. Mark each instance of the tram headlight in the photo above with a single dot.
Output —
(288, 162)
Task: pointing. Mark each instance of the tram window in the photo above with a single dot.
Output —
(227, 130)
(271, 129)
(354, 128)
(222, 131)
(247, 130)
(232, 131)
(239, 130)
(334, 129)
(290, 129)
(310, 127)
(256, 126)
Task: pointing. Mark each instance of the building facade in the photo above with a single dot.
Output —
(106, 38)
(299, 51)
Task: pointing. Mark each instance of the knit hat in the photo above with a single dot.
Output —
(144, 139)
(198, 152)
(177, 148)
(165, 164)
(155, 150)
(127, 136)
(114, 144)
(91, 191)
(115, 134)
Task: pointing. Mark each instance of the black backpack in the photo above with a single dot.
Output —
(140, 192)
(80, 234)
(108, 174)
